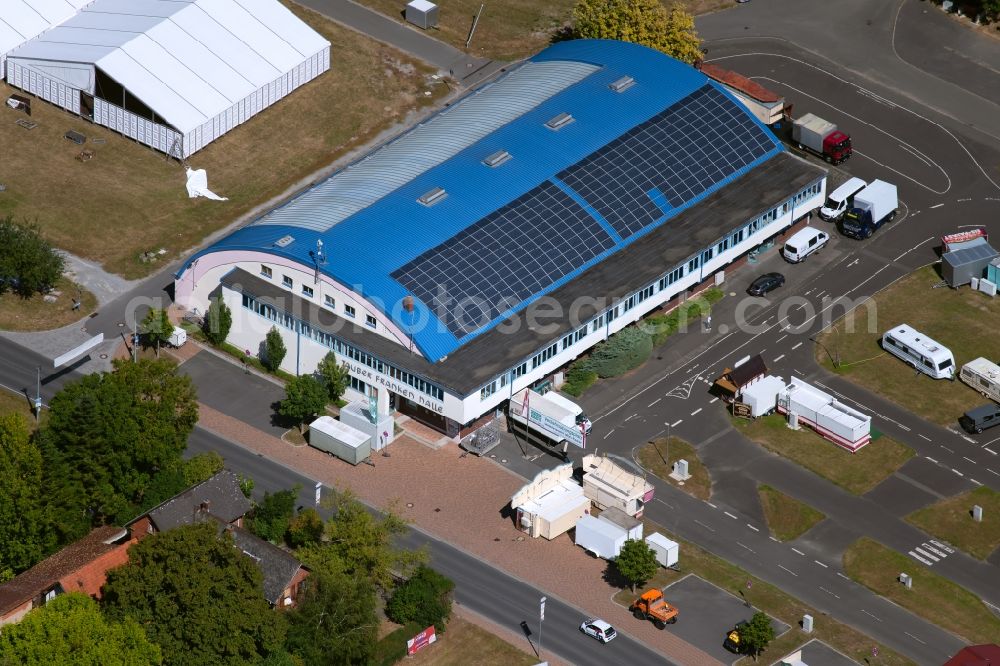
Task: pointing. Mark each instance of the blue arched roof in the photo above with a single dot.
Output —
(369, 240)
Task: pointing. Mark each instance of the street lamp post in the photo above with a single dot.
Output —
(38, 393)
(541, 620)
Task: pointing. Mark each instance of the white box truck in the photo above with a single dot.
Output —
(810, 132)
(873, 206)
(982, 375)
(546, 422)
(667, 551)
(599, 537)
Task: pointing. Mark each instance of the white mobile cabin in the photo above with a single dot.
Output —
(982, 375)
(926, 355)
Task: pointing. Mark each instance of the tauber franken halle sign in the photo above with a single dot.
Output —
(421, 640)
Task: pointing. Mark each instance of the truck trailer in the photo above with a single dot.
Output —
(545, 422)
(982, 375)
(599, 537)
(812, 133)
(873, 206)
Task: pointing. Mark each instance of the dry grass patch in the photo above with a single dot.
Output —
(37, 314)
(933, 597)
(787, 517)
(951, 520)
(511, 29)
(11, 402)
(961, 319)
(128, 199)
(465, 643)
(659, 456)
(855, 472)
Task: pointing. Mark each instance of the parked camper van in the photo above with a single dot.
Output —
(841, 199)
(983, 375)
(803, 243)
(926, 355)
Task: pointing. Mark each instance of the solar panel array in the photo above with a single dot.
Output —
(504, 259)
(681, 152)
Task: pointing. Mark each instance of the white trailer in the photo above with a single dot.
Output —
(544, 421)
(983, 375)
(667, 551)
(610, 486)
(845, 427)
(762, 396)
(178, 337)
(600, 537)
(924, 354)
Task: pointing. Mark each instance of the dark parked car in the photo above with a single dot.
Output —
(765, 283)
(979, 419)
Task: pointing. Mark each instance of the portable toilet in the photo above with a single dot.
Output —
(993, 271)
(339, 439)
(422, 14)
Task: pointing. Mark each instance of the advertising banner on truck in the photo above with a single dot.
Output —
(545, 422)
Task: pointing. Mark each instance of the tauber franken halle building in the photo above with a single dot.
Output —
(487, 247)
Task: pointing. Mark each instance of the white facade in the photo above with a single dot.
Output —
(305, 351)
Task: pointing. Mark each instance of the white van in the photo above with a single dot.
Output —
(803, 243)
(840, 199)
(926, 355)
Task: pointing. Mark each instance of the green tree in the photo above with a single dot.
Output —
(425, 598)
(202, 467)
(71, 630)
(218, 321)
(335, 622)
(269, 520)
(645, 22)
(636, 562)
(28, 263)
(274, 350)
(756, 634)
(24, 528)
(199, 598)
(156, 327)
(108, 436)
(334, 376)
(305, 397)
(305, 529)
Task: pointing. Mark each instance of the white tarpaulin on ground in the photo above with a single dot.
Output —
(197, 185)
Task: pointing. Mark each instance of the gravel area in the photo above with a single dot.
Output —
(459, 499)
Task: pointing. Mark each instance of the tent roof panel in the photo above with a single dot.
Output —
(244, 25)
(251, 65)
(286, 25)
(62, 52)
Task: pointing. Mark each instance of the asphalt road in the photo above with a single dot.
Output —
(478, 586)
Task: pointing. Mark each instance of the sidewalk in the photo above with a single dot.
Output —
(460, 500)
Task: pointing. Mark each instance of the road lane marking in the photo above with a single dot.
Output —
(747, 547)
(970, 460)
(788, 570)
(712, 400)
(799, 552)
(936, 206)
(914, 638)
(975, 482)
(934, 550)
(711, 505)
(926, 554)
(991, 471)
(654, 402)
(779, 358)
(630, 418)
(696, 411)
(676, 423)
(903, 427)
(990, 450)
(946, 448)
(669, 506)
(730, 515)
(957, 472)
(773, 539)
(843, 576)
(609, 433)
(828, 592)
(755, 529)
(797, 345)
(931, 459)
(821, 564)
(782, 338)
(948, 549)
(705, 526)
(870, 615)
(924, 437)
(920, 559)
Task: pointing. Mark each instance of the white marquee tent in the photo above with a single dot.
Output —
(23, 20)
(172, 74)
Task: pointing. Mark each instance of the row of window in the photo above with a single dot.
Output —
(670, 278)
(309, 292)
(341, 347)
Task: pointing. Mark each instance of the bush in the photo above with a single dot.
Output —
(578, 379)
(269, 520)
(274, 349)
(392, 647)
(425, 599)
(306, 528)
(218, 322)
(28, 263)
(625, 350)
(661, 327)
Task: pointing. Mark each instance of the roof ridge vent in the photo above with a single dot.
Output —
(285, 241)
(497, 158)
(622, 84)
(433, 196)
(559, 121)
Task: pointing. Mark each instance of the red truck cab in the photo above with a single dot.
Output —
(837, 147)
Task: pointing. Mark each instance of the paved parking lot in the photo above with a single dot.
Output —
(818, 653)
(707, 613)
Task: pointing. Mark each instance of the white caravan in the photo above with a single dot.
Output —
(926, 355)
(982, 375)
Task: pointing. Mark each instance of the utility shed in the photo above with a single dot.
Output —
(172, 75)
(965, 261)
(422, 14)
(744, 372)
(610, 486)
(766, 105)
(339, 439)
(550, 504)
(845, 427)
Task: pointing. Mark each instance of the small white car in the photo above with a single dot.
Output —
(599, 629)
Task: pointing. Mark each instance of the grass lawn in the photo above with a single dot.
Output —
(465, 643)
(937, 599)
(963, 320)
(15, 402)
(35, 314)
(510, 29)
(855, 472)
(769, 599)
(787, 517)
(951, 520)
(651, 457)
(128, 199)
